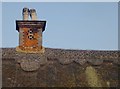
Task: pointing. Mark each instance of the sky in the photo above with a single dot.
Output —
(83, 25)
(119, 26)
(59, 0)
(0, 24)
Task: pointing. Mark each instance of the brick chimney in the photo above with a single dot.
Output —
(30, 32)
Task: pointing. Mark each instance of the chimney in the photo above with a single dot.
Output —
(33, 14)
(30, 32)
(25, 13)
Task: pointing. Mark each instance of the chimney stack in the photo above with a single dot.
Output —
(33, 14)
(30, 32)
(25, 13)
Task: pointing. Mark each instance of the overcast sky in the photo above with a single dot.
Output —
(69, 25)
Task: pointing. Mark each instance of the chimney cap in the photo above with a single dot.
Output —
(36, 24)
(25, 9)
(32, 10)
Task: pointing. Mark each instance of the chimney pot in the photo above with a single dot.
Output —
(25, 13)
(33, 14)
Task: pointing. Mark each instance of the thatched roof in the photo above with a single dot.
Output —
(60, 68)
